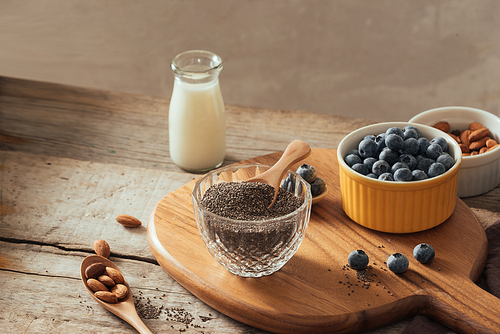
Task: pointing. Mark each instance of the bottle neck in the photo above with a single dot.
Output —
(196, 67)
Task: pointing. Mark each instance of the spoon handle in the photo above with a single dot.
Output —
(295, 151)
(137, 323)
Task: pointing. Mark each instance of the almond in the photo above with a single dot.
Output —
(120, 291)
(493, 147)
(106, 296)
(475, 126)
(465, 149)
(443, 126)
(101, 248)
(476, 145)
(454, 137)
(115, 275)
(478, 134)
(128, 221)
(483, 150)
(466, 154)
(474, 153)
(95, 270)
(106, 280)
(464, 137)
(95, 285)
(490, 143)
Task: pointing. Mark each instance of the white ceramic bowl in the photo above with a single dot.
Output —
(480, 173)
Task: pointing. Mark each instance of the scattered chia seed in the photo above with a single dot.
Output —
(248, 201)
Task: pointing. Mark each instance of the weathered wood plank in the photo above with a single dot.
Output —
(127, 129)
(42, 293)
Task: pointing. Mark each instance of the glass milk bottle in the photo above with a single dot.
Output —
(197, 118)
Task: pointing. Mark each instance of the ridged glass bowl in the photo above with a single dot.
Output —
(251, 248)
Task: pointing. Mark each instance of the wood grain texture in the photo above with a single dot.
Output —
(73, 158)
(310, 294)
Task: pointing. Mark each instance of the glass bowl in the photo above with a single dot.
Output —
(251, 248)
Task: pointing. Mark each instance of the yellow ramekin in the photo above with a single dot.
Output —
(397, 207)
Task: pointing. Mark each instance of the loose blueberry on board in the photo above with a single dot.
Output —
(367, 148)
(398, 263)
(386, 177)
(436, 169)
(403, 174)
(424, 253)
(394, 142)
(352, 159)
(358, 260)
(380, 167)
(317, 187)
(418, 175)
(308, 172)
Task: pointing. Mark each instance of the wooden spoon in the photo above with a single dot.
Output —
(125, 308)
(295, 151)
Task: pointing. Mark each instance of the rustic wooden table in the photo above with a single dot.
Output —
(72, 159)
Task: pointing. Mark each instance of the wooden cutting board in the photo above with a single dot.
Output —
(314, 292)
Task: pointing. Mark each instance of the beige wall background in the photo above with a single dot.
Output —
(382, 60)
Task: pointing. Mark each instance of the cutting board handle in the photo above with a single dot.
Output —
(466, 308)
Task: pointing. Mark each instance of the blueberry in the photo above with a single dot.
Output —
(395, 130)
(380, 141)
(390, 156)
(403, 174)
(397, 166)
(447, 160)
(441, 142)
(358, 260)
(373, 176)
(380, 167)
(419, 175)
(288, 183)
(318, 186)
(394, 142)
(361, 168)
(411, 127)
(410, 133)
(424, 163)
(424, 253)
(355, 152)
(398, 263)
(367, 148)
(307, 172)
(386, 177)
(434, 151)
(352, 159)
(423, 144)
(369, 162)
(409, 160)
(370, 137)
(410, 146)
(436, 169)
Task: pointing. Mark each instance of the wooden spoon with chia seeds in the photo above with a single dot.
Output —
(296, 151)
